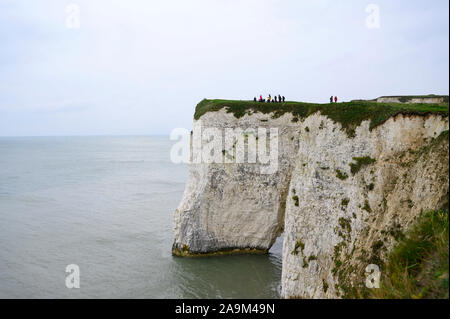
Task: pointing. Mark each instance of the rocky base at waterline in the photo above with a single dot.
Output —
(350, 180)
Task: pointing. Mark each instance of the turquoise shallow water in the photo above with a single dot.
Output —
(106, 204)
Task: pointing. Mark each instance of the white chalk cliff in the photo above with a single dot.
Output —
(341, 200)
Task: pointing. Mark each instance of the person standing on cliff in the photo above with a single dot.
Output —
(269, 98)
(279, 98)
(283, 98)
(335, 99)
(331, 99)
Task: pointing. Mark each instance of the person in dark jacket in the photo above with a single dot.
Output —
(282, 98)
(331, 99)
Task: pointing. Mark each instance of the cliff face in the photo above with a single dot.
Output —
(235, 207)
(342, 199)
(347, 220)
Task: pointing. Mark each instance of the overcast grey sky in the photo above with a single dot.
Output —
(140, 67)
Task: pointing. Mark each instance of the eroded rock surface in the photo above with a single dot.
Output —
(234, 207)
(342, 200)
(345, 221)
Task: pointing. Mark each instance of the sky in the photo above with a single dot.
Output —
(139, 67)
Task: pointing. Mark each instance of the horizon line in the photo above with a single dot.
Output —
(89, 135)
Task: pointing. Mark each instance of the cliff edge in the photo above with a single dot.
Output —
(343, 181)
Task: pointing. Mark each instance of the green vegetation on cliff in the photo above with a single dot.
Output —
(349, 114)
(418, 267)
(341, 175)
(360, 162)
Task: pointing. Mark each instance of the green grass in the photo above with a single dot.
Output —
(295, 198)
(298, 244)
(324, 285)
(341, 175)
(345, 201)
(345, 224)
(366, 206)
(348, 114)
(418, 267)
(360, 162)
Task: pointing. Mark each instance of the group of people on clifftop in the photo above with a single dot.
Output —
(275, 99)
(281, 99)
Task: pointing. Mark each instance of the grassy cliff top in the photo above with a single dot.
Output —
(349, 114)
(406, 98)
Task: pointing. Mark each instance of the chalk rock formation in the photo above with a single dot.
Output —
(342, 199)
(345, 220)
(234, 207)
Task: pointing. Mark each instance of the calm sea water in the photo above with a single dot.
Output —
(106, 204)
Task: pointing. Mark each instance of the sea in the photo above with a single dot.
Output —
(101, 209)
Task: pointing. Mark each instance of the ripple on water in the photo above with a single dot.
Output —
(106, 204)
